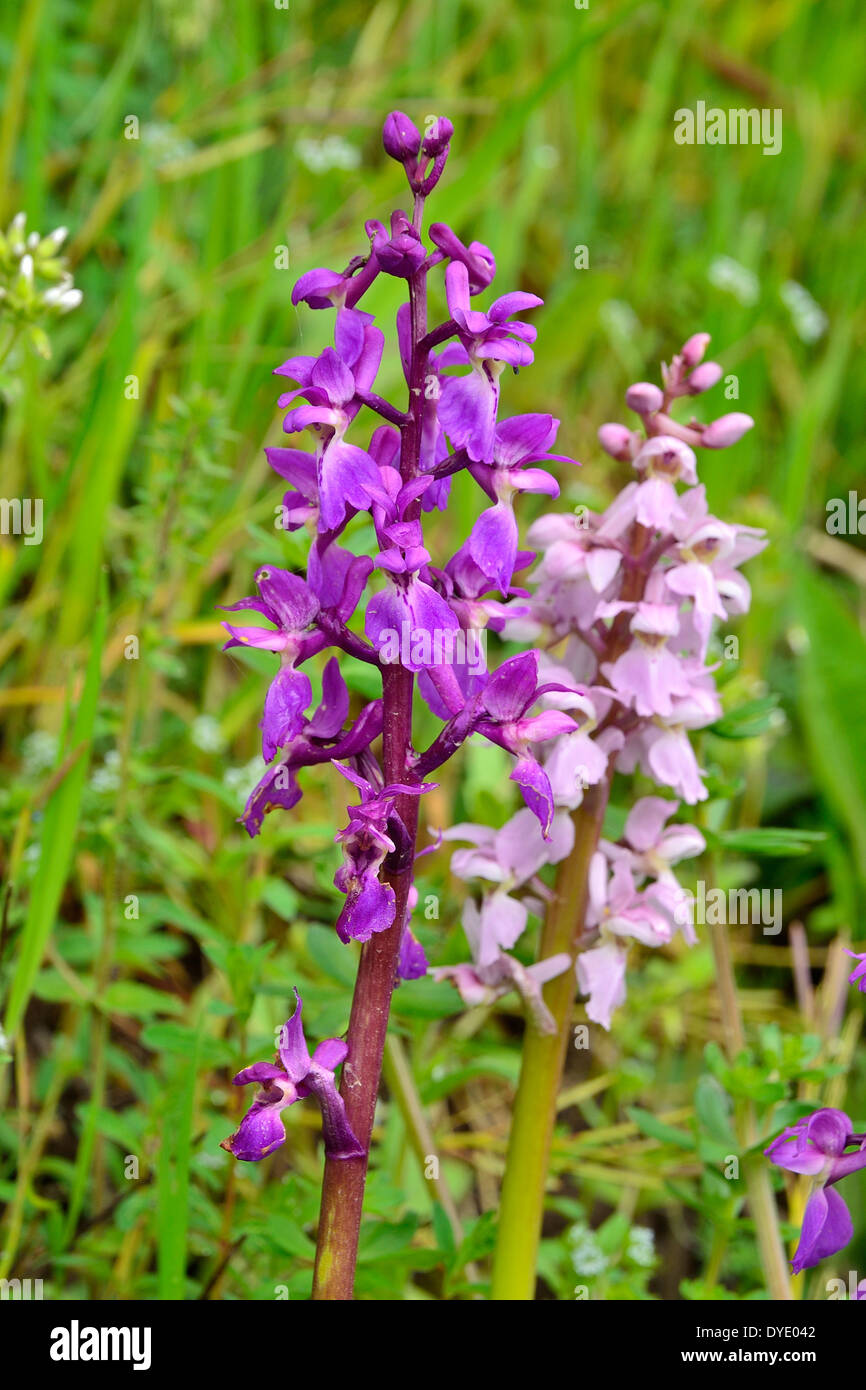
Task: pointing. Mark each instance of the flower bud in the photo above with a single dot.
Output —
(401, 137)
(320, 288)
(437, 138)
(727, 430)
(404, 252)
(694, 348)
(644, 398)
(615, 440)
(703, 377)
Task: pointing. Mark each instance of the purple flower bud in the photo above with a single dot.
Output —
(404, 252)
(320, 288)
(644, 398)
(703, 377)
(479, 259)
(694, 348)
(727, 430)
(401, 137)
(438, 137)
(615, 440)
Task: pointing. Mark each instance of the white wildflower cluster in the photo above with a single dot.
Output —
(35, 285)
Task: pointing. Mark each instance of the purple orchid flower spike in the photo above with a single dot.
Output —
(292, 1077)
(816, 1146)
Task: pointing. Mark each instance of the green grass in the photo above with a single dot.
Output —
(157, 512)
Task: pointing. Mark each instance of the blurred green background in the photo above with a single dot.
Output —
(193, 149)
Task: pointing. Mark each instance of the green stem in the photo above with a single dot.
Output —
(534, 1114)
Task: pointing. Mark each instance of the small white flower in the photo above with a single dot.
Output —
(727, 274)
(641, 1246)
(107, 777)
(39, 751)
(587, 1256)
(206, 733)
(810, 321)
(69, 299)
(57, 237)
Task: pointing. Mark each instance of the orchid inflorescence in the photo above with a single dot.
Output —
(618, 613)
(627, 599)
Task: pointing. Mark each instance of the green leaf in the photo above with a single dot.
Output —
(137, 1000)
(336, 960)
(281, 898)
(656, 1129)
(748, 720)
(712, 1108)
(767, 840)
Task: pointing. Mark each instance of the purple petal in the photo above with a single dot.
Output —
(511, 689)
(289, 598)
(292, 1045)
(259, 1072)
(332, 376)
(316, 287)
(386, 613)
(457, 288)
(260, 1132)
(514, 303)
(535, 786)
(331, 714)
(827, 1229)
(327, 572)
(412, 962)
(277, 788)
(366, 728)
(492, 544)
(262, 638)
(370, 907)
(330, 1053)
(297, 467)
(524, 438)
(344, 469)
(646, 821)
(340, 1142)
(467, 412)
(289, 694)
(349, 334)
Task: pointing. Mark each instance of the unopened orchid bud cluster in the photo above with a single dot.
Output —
(417, 614)
(35, 284)
(626, 600)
